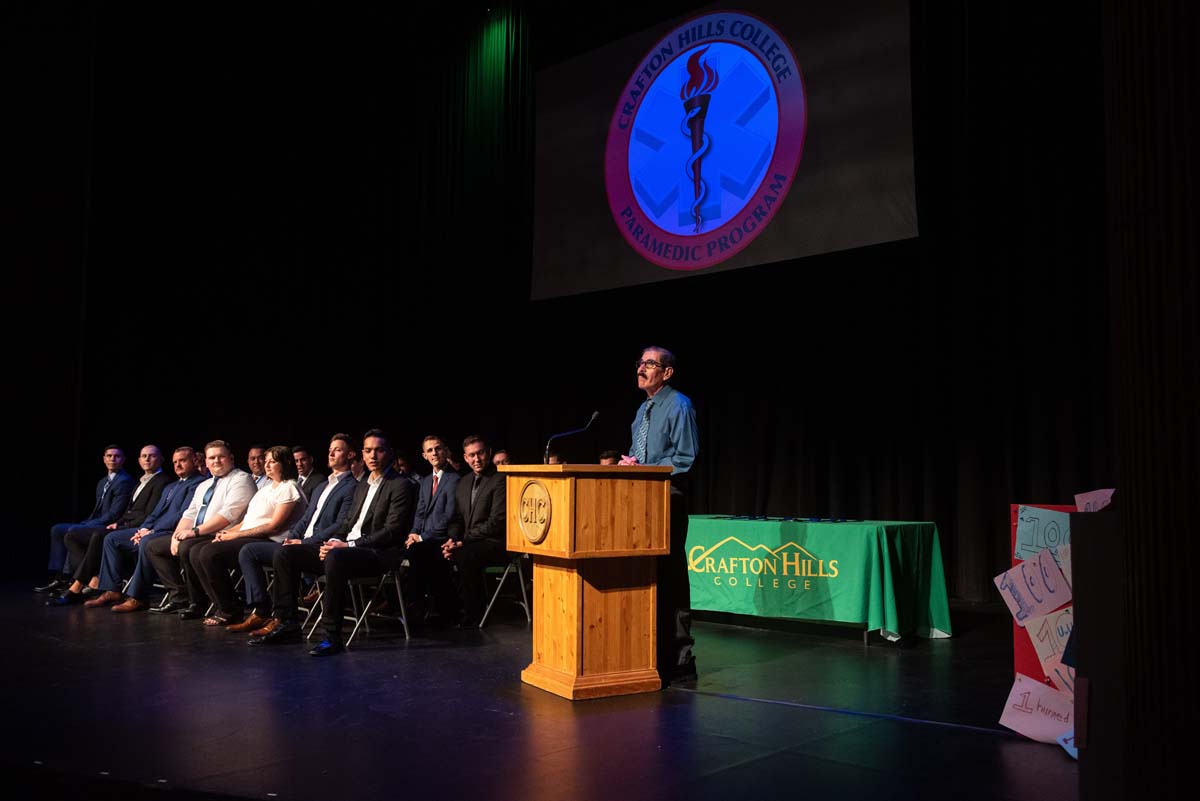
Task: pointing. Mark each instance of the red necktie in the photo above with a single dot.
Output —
(434, 486)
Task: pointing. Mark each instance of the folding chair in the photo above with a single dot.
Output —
(380, 583)
(515, 561)
(362, 610)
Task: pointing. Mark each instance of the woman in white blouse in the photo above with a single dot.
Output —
(271, 512)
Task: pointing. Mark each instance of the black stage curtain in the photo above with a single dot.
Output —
(1146, 687)
(310, 218)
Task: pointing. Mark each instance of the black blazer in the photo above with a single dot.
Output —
(486, 519)
(389, 517)
(141, 506)
(315, 480)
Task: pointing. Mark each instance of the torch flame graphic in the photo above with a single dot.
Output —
(695, 94)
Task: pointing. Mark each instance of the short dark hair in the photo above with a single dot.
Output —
(108, 448)
(378, 432)
(256, 445)
(188, 449)
(428, 437)
(218, 443)
(472, 439)
(287, 462)
(299, 448)
(666, 357)
(609, 455)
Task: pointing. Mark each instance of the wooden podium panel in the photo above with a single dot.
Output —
(594, 533)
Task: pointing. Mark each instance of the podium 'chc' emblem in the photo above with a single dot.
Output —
(535, 512)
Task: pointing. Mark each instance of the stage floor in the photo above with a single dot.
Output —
(131, 706)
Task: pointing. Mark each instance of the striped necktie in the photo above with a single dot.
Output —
(643, 433)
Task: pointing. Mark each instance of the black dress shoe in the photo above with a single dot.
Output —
(327, 648)
(191, 612)
(55, 585)
(284, 633)
(66, 599)
(680, 674)
(88, 592)
(170, 608)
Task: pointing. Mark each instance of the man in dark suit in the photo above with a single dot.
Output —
(86, 543)
(162, 521)
(330, 503)
(112, 496)
(366, 542)
(308, 480)
(477, 527)
(423, 547)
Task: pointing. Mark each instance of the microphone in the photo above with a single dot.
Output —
(546, 458)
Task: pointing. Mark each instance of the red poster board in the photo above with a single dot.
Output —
(1025, 659)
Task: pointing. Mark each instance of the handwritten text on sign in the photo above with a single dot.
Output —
(1040, 528)
(1049, 633)
(1034, 587)
(1093, 501)
(1060, 675)
(1039, 712)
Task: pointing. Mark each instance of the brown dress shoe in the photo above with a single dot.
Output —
(311, 596)
(103, 599)
(129, 605)
(268, 627)
(249, 624)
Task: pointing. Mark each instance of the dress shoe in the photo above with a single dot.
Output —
(276, 632)
(311, 596)
(170, 607)
(129, 605)
(88, 592)
(57, 584)
(249, 624)
(191, 612)
(66, 599)
(103, 599)
(327, 648)
(680, 674)
(271, 625)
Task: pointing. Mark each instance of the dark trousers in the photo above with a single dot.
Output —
(113, 547)
(471, 559)
(213, 562)
(119, 543)
(675, 639)
(168, 567)
(86, 546)
(431, 574)
(58, 545)
(339, 566)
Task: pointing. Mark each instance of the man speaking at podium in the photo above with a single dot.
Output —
(664, 433)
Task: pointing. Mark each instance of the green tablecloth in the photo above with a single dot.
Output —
(882, 574)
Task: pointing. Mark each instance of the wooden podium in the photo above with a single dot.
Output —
(594, 532)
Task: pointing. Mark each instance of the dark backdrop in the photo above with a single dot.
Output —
(272, 221)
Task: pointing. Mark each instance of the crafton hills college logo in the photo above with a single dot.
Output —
(705, 140)
(733, 563)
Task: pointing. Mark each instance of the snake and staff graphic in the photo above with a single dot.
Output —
(695, 94)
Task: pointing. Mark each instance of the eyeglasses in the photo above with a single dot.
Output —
(649, 363)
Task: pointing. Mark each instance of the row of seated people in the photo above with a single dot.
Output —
(191, 532)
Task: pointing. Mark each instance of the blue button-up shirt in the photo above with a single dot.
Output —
(673, 437)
